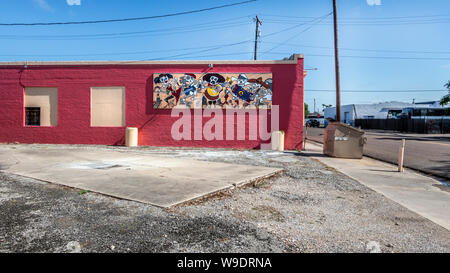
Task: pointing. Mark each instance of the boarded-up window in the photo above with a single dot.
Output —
(108, 106)
(44, 98)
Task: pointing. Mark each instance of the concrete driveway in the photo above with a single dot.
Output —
(160, 181)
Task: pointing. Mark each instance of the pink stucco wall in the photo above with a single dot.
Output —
(74, 83)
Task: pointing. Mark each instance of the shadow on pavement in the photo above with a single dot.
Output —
(312, 154)
(443, 169)
(436, 138)
(389, 171)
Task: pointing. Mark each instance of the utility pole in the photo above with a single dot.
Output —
(258, 23)
(336, 62)
(314, 105)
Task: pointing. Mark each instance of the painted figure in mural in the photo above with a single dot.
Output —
(241, 89)
(266, 95)
(261, 91)
(169, 87)
(162, 82)
(214, 84)
(190, 88)
(229, 97)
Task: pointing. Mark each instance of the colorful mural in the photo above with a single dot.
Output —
(196, 90)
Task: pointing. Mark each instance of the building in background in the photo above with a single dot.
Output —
(383, 110)
(433, 103)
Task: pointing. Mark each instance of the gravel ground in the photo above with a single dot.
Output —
(309, 208)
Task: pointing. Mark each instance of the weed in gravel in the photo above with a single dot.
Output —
(262, 213)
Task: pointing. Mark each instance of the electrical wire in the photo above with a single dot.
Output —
(319, 19)
(212, 48)
(189, 55)
(164, 31)
(401, 20)
(370, 23)
(365, 18)
(127, 19)
(366, 50)
(289, 28)
(352, 56)
(379, 57)
(375, 91)
(201, 51)
(112, 53)
(156, 33)
(216, 47)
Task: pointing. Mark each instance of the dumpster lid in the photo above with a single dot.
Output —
(346, 126)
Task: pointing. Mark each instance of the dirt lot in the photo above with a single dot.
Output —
(310, 208)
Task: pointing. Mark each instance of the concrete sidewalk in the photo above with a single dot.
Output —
(434, 149)
(421, 194)
(156, 180)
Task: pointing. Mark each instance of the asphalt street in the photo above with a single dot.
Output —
(429, 153)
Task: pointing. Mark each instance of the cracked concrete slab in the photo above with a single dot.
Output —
(160, 181)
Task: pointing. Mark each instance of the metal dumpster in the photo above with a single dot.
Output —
(344, 141)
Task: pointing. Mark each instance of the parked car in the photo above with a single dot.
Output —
(313, 123)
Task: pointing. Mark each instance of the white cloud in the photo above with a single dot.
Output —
(374, 2)
(73, 2)
(43, 4)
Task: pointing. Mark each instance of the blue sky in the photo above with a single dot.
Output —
(289, 26)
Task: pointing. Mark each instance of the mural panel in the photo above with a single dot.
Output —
(204, 90)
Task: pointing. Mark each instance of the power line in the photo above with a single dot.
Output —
(371, 57)
(364, 21)
(151, 33)
(430, 19)
(211, 48)
(172, 30)
(373, 23)
(380, 57)
(368, 21)
(320, 19)
(376, 91)
(113, 53)
(126, 19)
(185, 28)
(226, 54)
(289, 28)
(189, 54)
(212, 55)
(365, 18)
(205, 50)
(368, 50)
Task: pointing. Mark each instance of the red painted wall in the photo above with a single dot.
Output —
(74, 83)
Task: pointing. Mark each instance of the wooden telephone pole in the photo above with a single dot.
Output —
(336, 62)
(258, 23)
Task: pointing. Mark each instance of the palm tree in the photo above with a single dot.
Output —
(446, 99)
